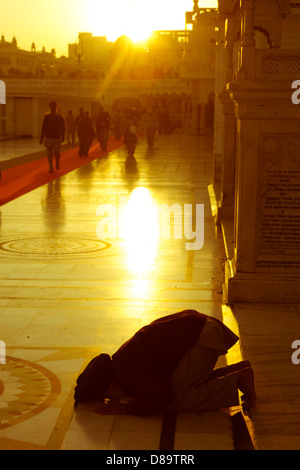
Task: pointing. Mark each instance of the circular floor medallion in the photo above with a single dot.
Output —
(52, 246)
(26, 389)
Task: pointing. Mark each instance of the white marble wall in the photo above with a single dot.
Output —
(259, 205)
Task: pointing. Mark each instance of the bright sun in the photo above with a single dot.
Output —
(134, 18)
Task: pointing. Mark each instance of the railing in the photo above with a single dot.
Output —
(71, 87)
(33, 82)
(192, 71)
(277, 64)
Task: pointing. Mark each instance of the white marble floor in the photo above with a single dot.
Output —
(267, 333)
(66, 294)
(10, 149)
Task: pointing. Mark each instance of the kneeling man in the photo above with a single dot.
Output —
(169, 364)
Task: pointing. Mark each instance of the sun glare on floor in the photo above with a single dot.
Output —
(139, 228)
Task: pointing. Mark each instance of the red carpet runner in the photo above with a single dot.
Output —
(28, 176)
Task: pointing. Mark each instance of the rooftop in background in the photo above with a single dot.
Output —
(91, 57)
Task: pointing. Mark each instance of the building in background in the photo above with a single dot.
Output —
(172, 72)
(199, 66)
(90, 55)
(19, 63)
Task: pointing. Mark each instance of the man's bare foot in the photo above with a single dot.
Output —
(245, 381)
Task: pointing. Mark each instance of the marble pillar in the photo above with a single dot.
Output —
(227, 180)
(226, 204)
(265, 261)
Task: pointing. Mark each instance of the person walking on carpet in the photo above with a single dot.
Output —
(53, 134)
(103, 120)
(86, 134)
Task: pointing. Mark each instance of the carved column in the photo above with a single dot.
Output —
(229, 43)
(218, 116)
(266, 256)
(229, 131)
(247, 53)
(247, 23)
(229, 158)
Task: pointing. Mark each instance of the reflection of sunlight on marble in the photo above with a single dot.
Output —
(234, 354)
(139, 228)
(140, 289)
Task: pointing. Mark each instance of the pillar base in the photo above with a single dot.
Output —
(256, 287)
(260, 287)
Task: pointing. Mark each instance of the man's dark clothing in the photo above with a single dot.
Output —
(143, 366)
(144, 363)
(53, 133)
(53, 127)
(102, 128)
(86, 134)
(103, 120)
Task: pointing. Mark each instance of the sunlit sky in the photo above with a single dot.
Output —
(55, 23)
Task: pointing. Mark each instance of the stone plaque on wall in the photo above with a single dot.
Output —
(279, 204)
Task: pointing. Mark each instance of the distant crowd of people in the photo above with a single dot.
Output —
(124, 124)
(56, 127)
